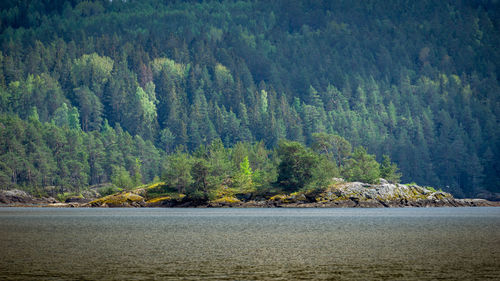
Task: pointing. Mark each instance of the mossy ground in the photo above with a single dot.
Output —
(118, 199)
(174, 197)
(227, 200)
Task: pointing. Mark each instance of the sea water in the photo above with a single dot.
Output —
(250, 244)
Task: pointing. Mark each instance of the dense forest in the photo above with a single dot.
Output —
(128, 91)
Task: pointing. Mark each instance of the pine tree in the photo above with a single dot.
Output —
(389, 171)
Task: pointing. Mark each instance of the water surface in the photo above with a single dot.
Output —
(250, 244)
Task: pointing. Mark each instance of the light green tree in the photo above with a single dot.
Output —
(243, 178)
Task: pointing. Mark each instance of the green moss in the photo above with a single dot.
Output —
(279, 197)
(159, 199)
(155, 185)
(227, 200)
(430, 188)
(118, 199)
(292, 198)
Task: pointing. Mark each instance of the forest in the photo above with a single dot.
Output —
(253, 94)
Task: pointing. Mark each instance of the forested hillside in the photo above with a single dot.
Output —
(92, 89)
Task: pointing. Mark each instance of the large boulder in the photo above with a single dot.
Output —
(15, 196)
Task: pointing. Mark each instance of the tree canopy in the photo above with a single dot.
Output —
(118, 81)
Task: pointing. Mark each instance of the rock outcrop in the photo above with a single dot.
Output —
(357, 194)
(124, 199)
(16, 197)
(362, 195)
(339, 195)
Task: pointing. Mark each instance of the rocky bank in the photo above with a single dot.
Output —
(21, 198)
(340, 195)
(357, 194)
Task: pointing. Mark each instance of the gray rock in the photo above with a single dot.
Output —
(15, 196)
(383, 181)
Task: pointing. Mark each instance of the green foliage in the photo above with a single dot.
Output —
(136, 172)
(66, 160)
(245, 169)
(296, 165)
(92, 71)
(202, 181)
(218, 158)
(362, 167)
(188, 73)
(334, 147)
(108, 190)
(121, 177)
(243, 179)
(323, 174)
(177, 171)
(389, 171)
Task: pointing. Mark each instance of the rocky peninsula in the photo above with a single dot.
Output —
(339, 195)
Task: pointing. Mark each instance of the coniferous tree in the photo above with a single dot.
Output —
(389, 171)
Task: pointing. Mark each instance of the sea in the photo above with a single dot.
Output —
(250, 244)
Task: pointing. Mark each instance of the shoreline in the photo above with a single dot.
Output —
(339, 195)
(267, 204)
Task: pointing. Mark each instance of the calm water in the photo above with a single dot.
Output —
(250, 244)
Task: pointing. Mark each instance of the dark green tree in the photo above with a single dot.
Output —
(389, 170)
(296, 166)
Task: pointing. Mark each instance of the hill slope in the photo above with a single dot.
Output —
(418, 81)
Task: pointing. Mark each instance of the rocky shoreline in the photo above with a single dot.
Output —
(340, 195)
